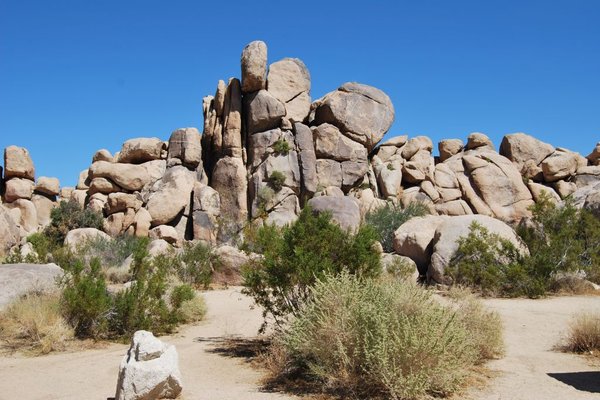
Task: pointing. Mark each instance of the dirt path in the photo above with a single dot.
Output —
(532, 329)
(531, 368)
(207, 372)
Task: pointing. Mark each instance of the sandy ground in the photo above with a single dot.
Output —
(530, 370)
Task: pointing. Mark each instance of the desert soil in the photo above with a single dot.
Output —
(530, 370)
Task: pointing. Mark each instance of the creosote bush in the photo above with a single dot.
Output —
(296, 256)
(68, 216)
(387, 219)
(384, 338)
(564, 247)
(195, 265)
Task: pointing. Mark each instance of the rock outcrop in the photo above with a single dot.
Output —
(266, 151)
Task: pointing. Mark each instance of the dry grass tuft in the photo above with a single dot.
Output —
(34, 324)
(193, 310)
(584, 334)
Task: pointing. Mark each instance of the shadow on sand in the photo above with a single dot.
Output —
(588, 381)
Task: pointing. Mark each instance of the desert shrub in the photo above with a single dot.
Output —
(34, 323)
(192, 310)
(85, 301)
(387, 219)
(42, 246)
(281, 146)
(400, 268)
(114, 251)
(381, 338)
(562, 238)
(188, 306)
(196, 264)
(277, 179)
(584, 333)
(142, 305)
(296, 256)
(68, 216)
(491, 264)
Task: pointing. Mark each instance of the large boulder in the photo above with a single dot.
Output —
(9, 231)
(560, 165)
(445, 241)
(520, 148)
(139, 150)
(330, 143)
(289, 81)
(361, 112)
(79, 236)
(449, 147)
(28, 219)
(414, 239)
(254, 66)
(47, 186)
(18, 163)
(19, 279)
(344, 210)
(43, 206)
(18, 188)
(263, 111)
(128, 176)
(499, 184)
(149, 371)
(171, 196)
(185, 145)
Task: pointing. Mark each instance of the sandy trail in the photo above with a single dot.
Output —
(92, 374)
(532, 369)
(532, 329)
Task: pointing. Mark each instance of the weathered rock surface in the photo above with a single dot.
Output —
(127, 176)
(18, 188)
(18, 163)
(264, 111)
(79, 236)
(139, 150)
(289, 81)
(9, 231)
(149, 371)
(19, 279)
(520, 148)
(344, 210)
(361, 112)
(47, 186)
(185, 145)
(171, 196)
(254, 66)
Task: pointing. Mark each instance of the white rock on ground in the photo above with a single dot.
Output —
(18, 279)
(149, 371)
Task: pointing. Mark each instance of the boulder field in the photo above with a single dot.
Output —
(267, 149)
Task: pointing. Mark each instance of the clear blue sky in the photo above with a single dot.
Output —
(77, 76)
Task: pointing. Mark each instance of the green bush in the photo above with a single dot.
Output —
(384, 338)
(68, 216)
(85, 300)
(562, 239)
(491, 264)
(277, 179)
(387, 219)
(196, 264)
(281, 146)
(142, 305)
(564, 247)
(112, 252)
(296, 256)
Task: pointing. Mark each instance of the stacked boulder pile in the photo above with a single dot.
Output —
(26, 203)
(267, 150)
